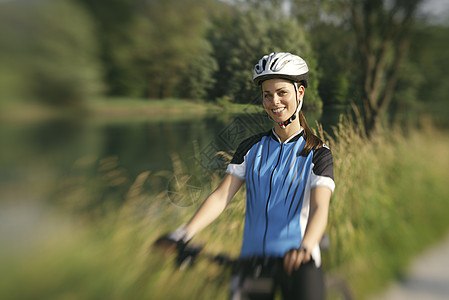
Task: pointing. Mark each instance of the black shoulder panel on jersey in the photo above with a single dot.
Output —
(323, 162)
(244, 147)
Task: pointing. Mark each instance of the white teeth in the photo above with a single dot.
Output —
(277, 110)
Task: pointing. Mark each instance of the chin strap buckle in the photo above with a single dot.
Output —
(284, 124)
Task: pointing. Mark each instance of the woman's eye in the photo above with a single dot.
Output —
(282, 93)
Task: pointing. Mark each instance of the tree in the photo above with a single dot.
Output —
(382, 31)
(429, 53)
(155, 48)
(429, 60)
(243, 35)
(173, 37)
(116, 24)
(327, 25)
(237, 41)
(334, 48)
(49, 52)
(198, 78)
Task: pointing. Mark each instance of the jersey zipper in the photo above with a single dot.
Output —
(268, 201)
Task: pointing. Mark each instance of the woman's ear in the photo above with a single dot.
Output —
(300, 93)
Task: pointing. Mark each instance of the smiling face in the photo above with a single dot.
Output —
(280, 99)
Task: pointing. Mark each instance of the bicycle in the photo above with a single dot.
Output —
(253, 278)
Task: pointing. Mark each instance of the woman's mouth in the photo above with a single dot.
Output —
(278, 110)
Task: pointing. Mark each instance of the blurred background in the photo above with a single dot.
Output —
(118, 117)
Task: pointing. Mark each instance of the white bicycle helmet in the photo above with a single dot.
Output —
(281, 65)
(286, 66)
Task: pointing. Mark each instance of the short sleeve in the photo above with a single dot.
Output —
(237, 170)
(237, 166)
(323, 168)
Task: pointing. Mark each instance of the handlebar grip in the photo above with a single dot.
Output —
(187, 255)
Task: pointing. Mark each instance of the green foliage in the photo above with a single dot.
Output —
(334, 46)
(237, 42)
(240, 39)
(118, 39)
(406, 98)
(422, 84)
(48, 52)
(151, 48)
(333, 39)
(175, 44)
(338, 70)
(198, 78)
(429, 55)
(56, 52)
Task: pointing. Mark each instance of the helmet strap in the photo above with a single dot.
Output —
(284, 124)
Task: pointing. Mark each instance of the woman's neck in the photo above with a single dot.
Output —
(288, 131)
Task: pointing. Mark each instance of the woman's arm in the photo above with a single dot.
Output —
(211, 208)
(214, 204)
(319, 208)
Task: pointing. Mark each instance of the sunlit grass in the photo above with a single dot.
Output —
(389, 204)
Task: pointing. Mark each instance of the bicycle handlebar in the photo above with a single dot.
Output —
(188, 254)
(249, 265)
(257, 268)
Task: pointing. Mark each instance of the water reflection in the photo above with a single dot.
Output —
(35, 157)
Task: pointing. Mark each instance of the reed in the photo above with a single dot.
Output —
(390, 203)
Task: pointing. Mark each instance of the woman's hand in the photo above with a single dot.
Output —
(319, 207)
(178, 239)
(294, 258)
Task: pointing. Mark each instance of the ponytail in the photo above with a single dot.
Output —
(312, 141)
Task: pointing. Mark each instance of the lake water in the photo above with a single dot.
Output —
(34, 156)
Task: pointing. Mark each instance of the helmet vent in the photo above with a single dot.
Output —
(273, 64)
(281, 65)
(264, 64)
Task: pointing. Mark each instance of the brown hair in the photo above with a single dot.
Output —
(312, 141)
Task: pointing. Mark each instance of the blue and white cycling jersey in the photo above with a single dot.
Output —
(278, 184)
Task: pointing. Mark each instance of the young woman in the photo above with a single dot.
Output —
(288, 173)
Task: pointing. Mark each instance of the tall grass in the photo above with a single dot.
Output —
(390, 203)
(391, 200)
